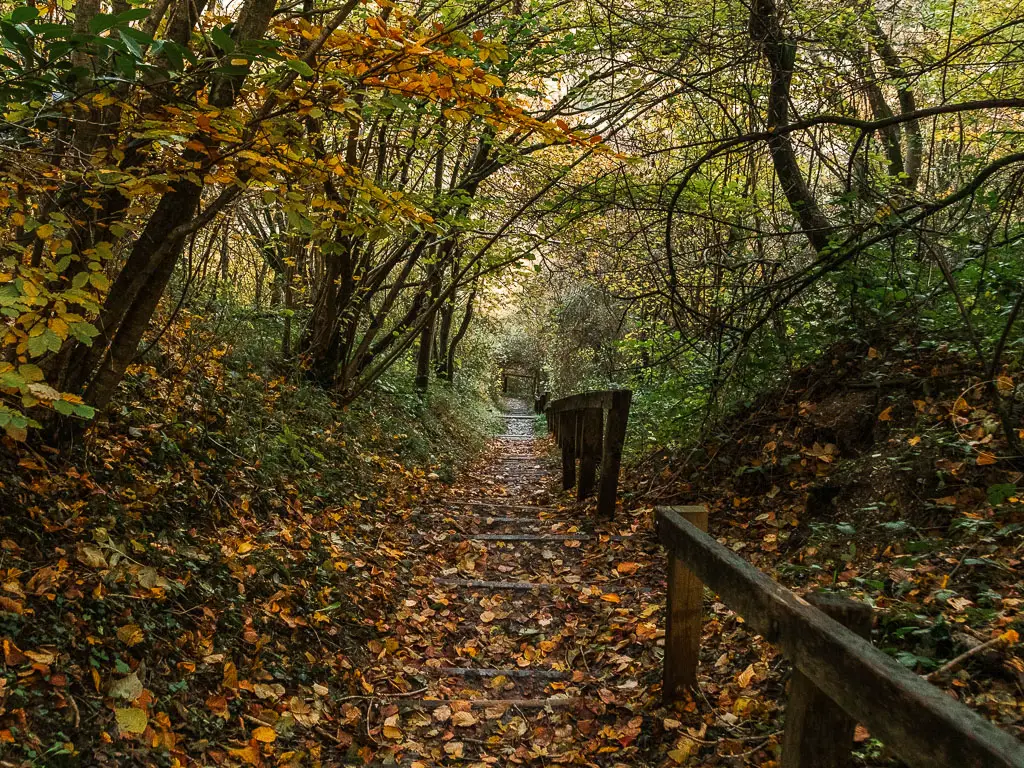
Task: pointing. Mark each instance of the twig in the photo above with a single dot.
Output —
(993, 643)
(382, 695)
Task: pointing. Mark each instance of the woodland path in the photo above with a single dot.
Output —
(495, 650)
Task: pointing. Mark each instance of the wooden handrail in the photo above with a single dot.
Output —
(594, 399)
(589, 426)
(916, 720)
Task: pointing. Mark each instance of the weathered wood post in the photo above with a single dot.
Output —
(684, 619)
(592, 420)
(819, 734)
(611, 459)
(567, 428)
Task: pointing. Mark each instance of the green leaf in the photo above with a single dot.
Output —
(132, 45)
(223, 40)
(1000, 492)
(23, 14)
(83, 332)
(135, 14)
(31, 372)
(301, 67)
(85, 411)
(63, 407)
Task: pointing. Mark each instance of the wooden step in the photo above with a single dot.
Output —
(479, 584)
(545, 674)
(553, 703)
(528, 537)
(470, 503)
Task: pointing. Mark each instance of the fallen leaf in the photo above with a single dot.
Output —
(128, 687)
(265, 734)
(463, 719)
(131, 720)
(130, 634)
(627, 569)
(745, 676)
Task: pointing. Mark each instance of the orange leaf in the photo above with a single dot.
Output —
(886, 415)
(986, 458)
(265, 734)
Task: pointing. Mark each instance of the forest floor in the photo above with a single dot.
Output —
(529, 633)
(882, 475)
(492, 620)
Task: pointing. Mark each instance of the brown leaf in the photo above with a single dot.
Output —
(13, 657)
(463, 719)
(745, 676)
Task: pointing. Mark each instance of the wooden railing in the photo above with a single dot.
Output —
(588, 427)
(839, 678)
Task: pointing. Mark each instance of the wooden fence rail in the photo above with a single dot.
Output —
(591, 426)
(835, 665)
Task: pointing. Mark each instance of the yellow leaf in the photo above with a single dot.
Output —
(59, 327)
(130, 634)
(610, 597)
(265, 734)
(985, 458)
(44, 231)
(131, 720)
(886, 415)
(248, 755)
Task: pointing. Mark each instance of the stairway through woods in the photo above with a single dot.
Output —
(491, 654)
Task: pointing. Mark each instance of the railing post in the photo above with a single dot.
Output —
(611, 459)
(818, 732)
(684, 620)
(592, 421)
(567, 430)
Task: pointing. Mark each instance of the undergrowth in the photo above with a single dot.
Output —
(208, 555)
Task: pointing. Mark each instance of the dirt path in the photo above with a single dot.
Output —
(493, 658)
